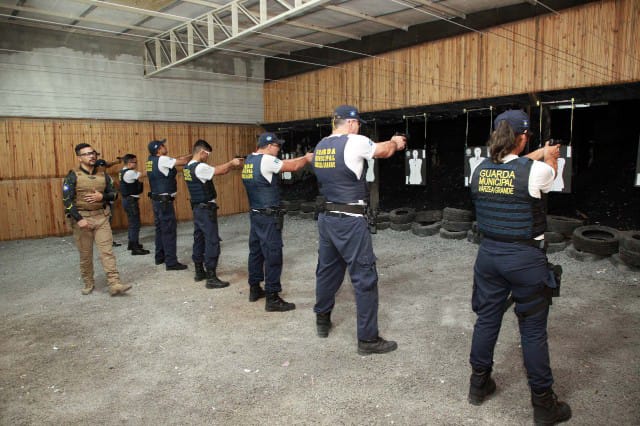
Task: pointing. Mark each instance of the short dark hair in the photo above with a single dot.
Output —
(200, 145)
(128, 157)
(81, 146)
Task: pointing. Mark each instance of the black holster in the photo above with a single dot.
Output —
(132, 206)
(371, 220)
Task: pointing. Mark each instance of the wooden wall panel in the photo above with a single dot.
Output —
(37, 154)
(593, 44)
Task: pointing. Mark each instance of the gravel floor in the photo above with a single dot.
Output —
(173, 352)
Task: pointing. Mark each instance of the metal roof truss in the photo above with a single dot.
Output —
(215, 30)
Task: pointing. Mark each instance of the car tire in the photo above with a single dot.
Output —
(451, 225)
(428, 216)
(425, 228)
(457, 215)
(400, 226)
(596, 239)
(453, 235)
(402, 215)
(563, 225)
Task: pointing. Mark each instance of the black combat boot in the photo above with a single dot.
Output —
(547, 410)
(136, 248)
(139, 251)
(201, 274)
(214, 282)
(323, 324)
(481, 386)
(376, 346)
(274, 303)
(255, 292)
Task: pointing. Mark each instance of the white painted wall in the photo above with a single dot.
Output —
(47, 73)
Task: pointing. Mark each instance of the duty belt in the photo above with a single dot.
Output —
(539, 244)
(345, 208)
(269, 211)
(211, 205)
(161, 197)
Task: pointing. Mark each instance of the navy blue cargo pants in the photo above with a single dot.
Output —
(164, 217)
(131, 207)
(345, 242)
(501, 268)
(265, 252)
(206, 240)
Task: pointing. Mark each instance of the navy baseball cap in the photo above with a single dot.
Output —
(516, 118)
(347, 112)
(268, 138)
(154, 145)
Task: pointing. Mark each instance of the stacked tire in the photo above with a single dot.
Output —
(456, 223)
(595, 239)
(402, 218)
(560, 231)
(427, 223)
(563, 225)
(629, 248)
(556, 241)
(382, 221)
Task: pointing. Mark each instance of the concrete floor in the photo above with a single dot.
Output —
(173, 352)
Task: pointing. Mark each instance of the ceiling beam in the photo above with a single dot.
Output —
(78, 18)
(364, 16)
(135, 10)
(439, 8)
(236, 35)
(204, 3)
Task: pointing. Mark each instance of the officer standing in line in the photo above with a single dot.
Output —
(506, 190)
(85, 196)
(131, 188)
(206, 240)
(344, 239)
(261, 179)
(161, 171)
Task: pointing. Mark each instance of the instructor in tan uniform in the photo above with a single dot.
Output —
(86, 195)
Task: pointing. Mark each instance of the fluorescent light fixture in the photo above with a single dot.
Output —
(583, 105)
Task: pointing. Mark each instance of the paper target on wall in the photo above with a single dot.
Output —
(637, 183)
(473, 156)
(562, 182)
(416, 167)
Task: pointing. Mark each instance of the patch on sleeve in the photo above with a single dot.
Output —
(370, 142)
(276, 161)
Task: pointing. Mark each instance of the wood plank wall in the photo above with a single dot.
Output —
(37, 154)
(590, 45)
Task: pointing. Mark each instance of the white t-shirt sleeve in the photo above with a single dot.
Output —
(357, 149)
(130, 176)
(205, 172)
(165, 164)
(541, 179)
(270, 165)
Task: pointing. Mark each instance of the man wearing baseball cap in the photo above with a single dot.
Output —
(161, 170)
(507, 193)
(261, 179)
(344, 240)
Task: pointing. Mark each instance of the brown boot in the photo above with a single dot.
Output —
(88, 288)
(116, 289)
